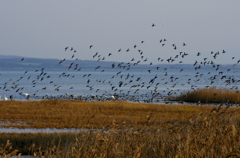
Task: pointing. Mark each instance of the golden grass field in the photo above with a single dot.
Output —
(133, 129)
(93, 115)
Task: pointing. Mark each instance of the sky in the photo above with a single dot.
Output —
(43, 29)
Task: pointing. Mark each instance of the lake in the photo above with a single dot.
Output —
(99, 84)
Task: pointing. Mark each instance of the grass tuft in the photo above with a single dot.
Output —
(211, 95)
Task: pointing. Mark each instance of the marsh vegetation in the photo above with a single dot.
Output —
(128, 129)
(211, 95)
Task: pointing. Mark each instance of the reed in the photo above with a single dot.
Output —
(145, 130)
(211, 95)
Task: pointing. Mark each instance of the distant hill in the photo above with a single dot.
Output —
(27, 63)
(9, 56)
(15, 62)
(10, 61)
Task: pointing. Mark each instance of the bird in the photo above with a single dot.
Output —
(121, 80)
(5, 98)
(25, 94)
(11, 97)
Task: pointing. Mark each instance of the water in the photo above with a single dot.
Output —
(140, 83)
(47, 130)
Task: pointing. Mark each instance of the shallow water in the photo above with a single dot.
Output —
(45, 130)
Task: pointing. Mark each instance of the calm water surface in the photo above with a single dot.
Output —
(64, 82)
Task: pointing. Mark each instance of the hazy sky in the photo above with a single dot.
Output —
(44, 28)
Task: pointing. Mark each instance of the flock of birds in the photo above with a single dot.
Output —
(124, 84)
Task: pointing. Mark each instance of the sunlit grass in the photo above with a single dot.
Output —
(211, 95)
(128, 129)
(79, 114)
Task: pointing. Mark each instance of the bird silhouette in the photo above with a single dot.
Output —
(125, 84)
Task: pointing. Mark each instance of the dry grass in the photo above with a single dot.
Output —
(211, 95)
(135, 130)
(79, 114)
